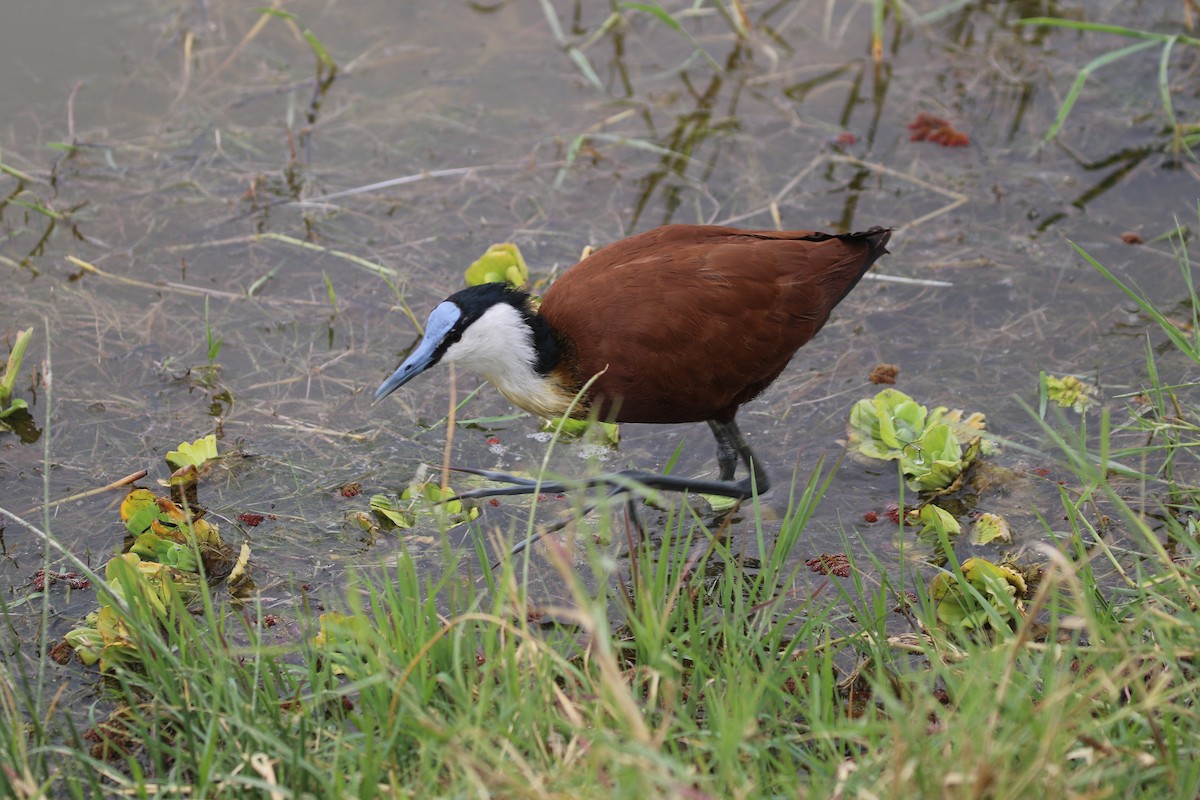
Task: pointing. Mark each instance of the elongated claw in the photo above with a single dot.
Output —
(626, 482)
(528, 541)
(519, 485)
(495, 475)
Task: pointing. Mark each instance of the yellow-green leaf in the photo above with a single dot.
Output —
(195, 453)
(1070, 392)
(13, 368)
(1000, 586)
(991, 528)
(392, 511)
(502, 263)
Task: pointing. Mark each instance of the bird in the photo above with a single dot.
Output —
(678, 324)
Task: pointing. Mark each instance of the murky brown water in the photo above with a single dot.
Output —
(168, 137)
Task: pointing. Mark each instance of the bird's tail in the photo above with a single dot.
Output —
(876, 239)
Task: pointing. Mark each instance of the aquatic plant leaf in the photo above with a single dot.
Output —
(882, 426)
(602, 432)
(150, 547)
(346, 640)
(165, 533)
(12, 369)
(390, 510)
(87, 643)
(934, 460)
(1070, 392)
(440, 501)
(238, 574)
(138, 510)
(968, 429)
(1000, 586)
(129, 576)
(422, 499)
(901, 419)
(206, 534)
(991, 528)
(13, 407)
(365, 521)
(169, 519)
(184, 477)
(719, 503)
(118, 642)
(145, 546)
(932, 519)
(892, 426)
(502, 263)
(193, 454)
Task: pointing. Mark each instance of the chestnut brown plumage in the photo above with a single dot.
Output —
(683, 323)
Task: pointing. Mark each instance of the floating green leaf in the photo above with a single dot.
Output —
(151, 547)
(347, 641)
(392, 510)
(502, 263)
(142, 511)
(86, 640)
(934, 519)
(934, 461)
(966, 430)
(601, 432)
(991, 528)
(1070, 392)
(138, 510)
(13, 407)
(884, 425)
(422, 499)
(893, 427)
(12, 369)
(169, 551)
(1000, 586)
(129, 576)
(193, 454)
(719, 503)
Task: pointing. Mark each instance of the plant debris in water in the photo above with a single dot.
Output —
(1070, 392)
(929, 128)
(425, 499)
(169, 550)
(1000, 587)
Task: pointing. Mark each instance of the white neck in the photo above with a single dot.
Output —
(499, 346)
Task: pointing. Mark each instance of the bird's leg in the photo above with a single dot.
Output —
(558, 526)
(731, 445)
(727, 449)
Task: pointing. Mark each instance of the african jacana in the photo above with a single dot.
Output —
(683, 323)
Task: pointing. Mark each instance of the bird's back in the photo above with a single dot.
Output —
(689, 322)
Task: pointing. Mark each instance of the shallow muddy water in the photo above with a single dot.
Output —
(188, 153)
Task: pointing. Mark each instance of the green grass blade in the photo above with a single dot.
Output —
(1073, 95)
(1177, 337)
(1097, 27)
(661, 14)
